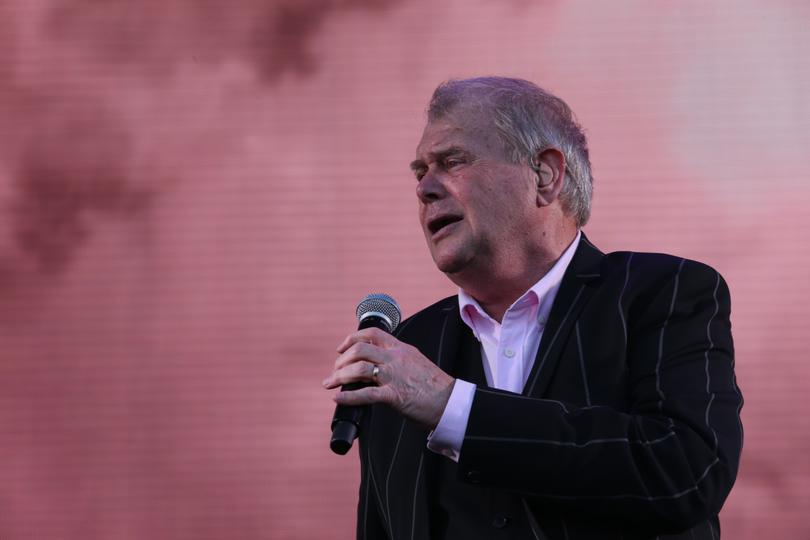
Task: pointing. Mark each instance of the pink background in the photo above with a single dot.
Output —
(195, 194)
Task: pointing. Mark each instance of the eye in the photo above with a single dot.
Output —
(452, 162)
(419, 173)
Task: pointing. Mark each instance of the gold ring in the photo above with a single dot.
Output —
(375, 372)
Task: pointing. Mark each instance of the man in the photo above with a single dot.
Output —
(563, 393)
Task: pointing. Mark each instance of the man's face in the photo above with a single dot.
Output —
(476, 208)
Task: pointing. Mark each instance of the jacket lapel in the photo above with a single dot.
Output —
(461, 352)
(575, 290)
(458, 353)
(444, 353)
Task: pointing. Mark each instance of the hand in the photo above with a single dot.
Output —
(406, 380)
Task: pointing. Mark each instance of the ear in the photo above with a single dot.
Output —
(549, 165)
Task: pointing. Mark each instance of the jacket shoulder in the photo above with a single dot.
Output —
(654, 265)
(426, 318)
(645, 279)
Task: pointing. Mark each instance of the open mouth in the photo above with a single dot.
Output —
(437, 224)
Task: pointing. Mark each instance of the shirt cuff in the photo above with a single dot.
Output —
(446, 439)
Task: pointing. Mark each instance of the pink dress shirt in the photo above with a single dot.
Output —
(508, 350)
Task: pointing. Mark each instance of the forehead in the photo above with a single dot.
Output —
(457, 130)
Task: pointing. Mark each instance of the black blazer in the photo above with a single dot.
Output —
(628, 426)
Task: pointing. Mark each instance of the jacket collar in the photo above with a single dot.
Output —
(577, 286)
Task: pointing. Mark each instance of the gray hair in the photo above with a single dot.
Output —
(528, 120)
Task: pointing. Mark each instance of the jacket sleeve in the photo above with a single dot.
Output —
(670, 459)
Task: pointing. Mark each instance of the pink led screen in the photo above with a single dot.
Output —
(195, 195)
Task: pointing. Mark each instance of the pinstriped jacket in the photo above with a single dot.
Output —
(628, 426)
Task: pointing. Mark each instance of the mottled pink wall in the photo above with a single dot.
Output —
(195, 194)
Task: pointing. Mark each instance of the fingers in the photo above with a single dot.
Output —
(359, 352)
(363, 396)
(375, 336)
(358, 371)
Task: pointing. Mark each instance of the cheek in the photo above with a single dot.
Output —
(492, 202)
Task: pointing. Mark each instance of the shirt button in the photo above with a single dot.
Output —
(509, 353)
(500, 521)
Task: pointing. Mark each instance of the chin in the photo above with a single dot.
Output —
(451, 255)
(450, 263)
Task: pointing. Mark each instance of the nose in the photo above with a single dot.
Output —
(430, 188)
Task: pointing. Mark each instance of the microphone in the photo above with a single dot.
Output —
(374, 311)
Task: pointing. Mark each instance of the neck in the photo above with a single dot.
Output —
(497, 287)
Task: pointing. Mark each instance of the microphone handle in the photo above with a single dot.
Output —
(347, 419)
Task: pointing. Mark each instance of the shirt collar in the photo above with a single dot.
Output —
(541, 293)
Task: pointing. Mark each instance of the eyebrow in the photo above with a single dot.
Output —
(437, 155)
(416, 164)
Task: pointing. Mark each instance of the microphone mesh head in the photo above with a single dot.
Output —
(380, 303)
